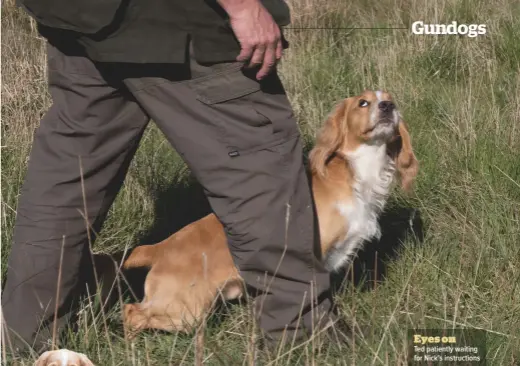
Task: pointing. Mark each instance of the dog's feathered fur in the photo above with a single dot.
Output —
(359, 150)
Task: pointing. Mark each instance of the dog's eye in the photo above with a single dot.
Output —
(363, 103)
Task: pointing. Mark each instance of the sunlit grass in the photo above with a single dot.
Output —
(461, 99)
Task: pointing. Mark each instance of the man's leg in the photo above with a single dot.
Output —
(241, 141)
(91, 128)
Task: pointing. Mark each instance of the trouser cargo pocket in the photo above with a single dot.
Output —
(249, 114)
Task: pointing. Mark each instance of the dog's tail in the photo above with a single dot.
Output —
(141, 256)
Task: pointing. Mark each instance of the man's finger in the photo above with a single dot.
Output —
(245, 53)
(268, 62)
(258, 56)
(279, 50)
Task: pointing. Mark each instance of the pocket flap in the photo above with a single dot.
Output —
(228, 84)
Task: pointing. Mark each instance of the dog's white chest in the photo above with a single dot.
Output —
(373, 175)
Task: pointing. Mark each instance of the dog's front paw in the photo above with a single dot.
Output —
(63, 357)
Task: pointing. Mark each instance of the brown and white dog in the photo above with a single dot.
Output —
(63, 357)
(363, 144)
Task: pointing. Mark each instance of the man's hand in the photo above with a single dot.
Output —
(257, 32)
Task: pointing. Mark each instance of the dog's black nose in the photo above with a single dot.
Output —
(386, 106)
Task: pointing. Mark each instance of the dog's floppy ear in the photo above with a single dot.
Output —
(329, 139)
(405, 161)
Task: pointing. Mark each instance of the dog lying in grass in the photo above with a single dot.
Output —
(363, 144)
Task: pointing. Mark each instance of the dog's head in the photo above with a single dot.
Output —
(371, 118)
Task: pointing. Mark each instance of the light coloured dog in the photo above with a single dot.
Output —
(362, 146)
(63, 357)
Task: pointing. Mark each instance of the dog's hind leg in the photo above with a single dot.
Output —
(140, 316)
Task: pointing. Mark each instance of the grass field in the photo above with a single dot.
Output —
(460, 96)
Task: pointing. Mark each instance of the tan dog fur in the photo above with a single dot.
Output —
(190, 268)
(63, 357)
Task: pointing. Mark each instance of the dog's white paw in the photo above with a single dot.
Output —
(63, 357)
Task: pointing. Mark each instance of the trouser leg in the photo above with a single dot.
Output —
(93, 129)
(241, 141)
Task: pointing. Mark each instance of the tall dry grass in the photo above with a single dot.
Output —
(461, 99)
